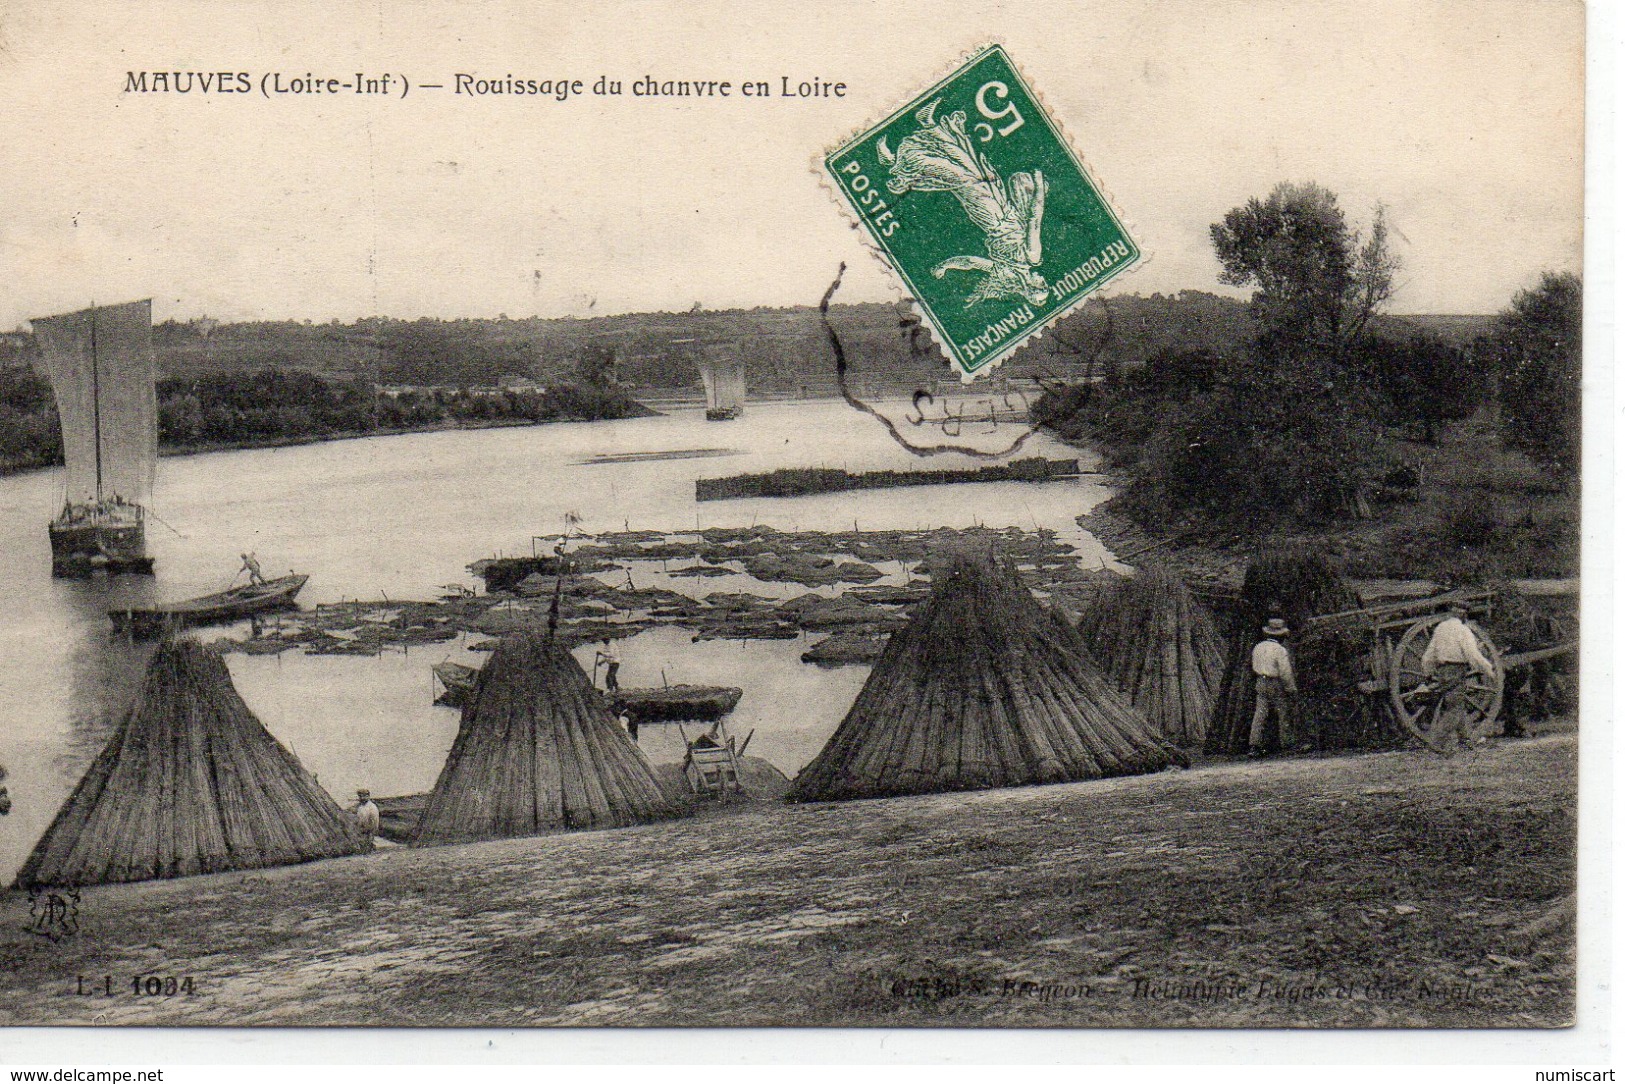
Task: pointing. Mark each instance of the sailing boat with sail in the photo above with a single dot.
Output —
(101, 367)
(723, 372)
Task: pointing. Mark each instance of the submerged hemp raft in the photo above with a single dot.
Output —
(983, 688)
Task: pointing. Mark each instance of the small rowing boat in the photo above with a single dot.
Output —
(223, 606)
(456, 683)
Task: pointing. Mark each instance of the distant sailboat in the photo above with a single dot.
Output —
(101, 368)
(724, 377)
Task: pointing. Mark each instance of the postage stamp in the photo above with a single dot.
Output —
(984, 210)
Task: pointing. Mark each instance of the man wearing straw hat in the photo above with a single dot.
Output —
(1274, 683)
(1452, 655)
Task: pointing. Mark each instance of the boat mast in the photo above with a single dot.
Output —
(96, 398)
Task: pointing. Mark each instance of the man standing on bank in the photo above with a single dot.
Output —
(1275, 685)
(1452, 655)
(366, 814)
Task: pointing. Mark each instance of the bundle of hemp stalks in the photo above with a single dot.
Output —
(983, 688)
(1294, 583)
(1161, 647)
(191, 782)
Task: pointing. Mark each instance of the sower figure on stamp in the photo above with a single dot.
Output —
(1275, 686)
(1451, 658)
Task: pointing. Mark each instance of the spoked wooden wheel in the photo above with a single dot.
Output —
(1419, 704)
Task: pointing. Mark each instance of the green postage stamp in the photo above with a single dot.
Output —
(984, 210)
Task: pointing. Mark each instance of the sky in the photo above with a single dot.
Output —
(1465, 119)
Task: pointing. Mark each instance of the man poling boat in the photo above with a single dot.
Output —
(233, 604)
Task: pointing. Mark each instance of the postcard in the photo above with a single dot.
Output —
(735, 515)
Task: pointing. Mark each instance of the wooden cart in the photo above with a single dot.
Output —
(1400, 632)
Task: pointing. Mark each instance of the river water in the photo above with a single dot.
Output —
(396, 517)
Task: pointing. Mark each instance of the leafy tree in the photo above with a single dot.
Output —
(1176, 373)
(1275, 441)
(22, 389)
(1535, 349)
(596, 367)
(1318, 281)
(1423, 380)
(180, 420)
(1289, 430)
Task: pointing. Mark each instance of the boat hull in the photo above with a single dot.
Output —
(456, 683)
(677, 703)
(218, 609)
(79, 548)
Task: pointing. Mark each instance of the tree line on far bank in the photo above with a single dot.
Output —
(269, 405)
(1291, 428)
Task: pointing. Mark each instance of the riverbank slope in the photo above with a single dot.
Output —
(1471, 512)
(1398, 889)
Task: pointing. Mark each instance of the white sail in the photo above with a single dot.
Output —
(101, 367)
(731, 395)
(723, 372)
(708, 376)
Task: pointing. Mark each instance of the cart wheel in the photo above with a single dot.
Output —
(1421, 713)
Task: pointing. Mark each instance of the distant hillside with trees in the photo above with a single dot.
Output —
(785, 351)
(203, 408)
(266, 381)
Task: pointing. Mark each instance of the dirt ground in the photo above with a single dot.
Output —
(1397, 889)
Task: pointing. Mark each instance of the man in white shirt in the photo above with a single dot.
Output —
(1452, 656)
(366, 814)
(611, 660)
(1274, 683)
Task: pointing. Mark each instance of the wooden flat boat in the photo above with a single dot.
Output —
(223, 606)
(676, 703)
(671, 704)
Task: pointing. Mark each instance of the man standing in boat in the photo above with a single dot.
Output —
(251, 566)
(611, 660)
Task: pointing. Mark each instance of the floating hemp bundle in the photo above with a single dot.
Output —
(1162, 647)
(982, 688)
(538, 750)
(190, 783)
